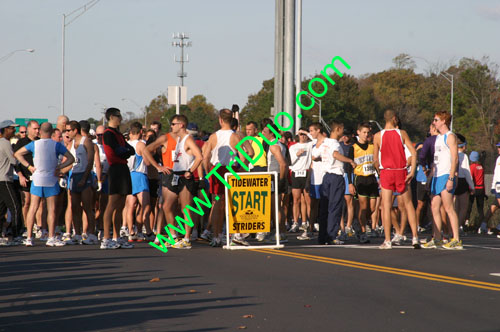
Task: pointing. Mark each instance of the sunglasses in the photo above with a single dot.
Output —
(176, 123)
(99, 135)
(22, 132)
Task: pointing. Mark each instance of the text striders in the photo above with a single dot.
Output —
(213, 172)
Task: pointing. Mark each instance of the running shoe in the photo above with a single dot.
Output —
(90, 240)
(432, 244)
(316, 227)
(386, 245)
(260, 237)
(206, 235)
(216, 242)
(454, 244)
(336, 242)
(182, 244)
(305, 236)
(283, 238)
(304, 226)
(397, 239)
(45, 235)
(124, 243)
(132, 238)
(55, 242)
(77, 239)
(29, 242)
(295, 227)
(349, 231)
(109, 244)
(363, 238)
(194, 235)
(141, 237)
(4, 242)
(239, 240)
(416, 243)
(124, 231)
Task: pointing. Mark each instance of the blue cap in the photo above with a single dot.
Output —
(192, 126)
(474, 156)
(8, 123)
(498, 144)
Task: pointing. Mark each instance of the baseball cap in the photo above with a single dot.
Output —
(192, 126)
(498, 144)
(8, 123)
(474, 156)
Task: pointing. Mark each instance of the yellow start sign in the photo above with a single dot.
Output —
(249, 203)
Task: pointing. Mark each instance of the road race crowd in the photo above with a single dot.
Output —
(70, 184)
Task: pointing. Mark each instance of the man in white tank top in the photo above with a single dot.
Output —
(45, 182)
(444, 181)
(80, 180)
(181, 186)
(218, 152)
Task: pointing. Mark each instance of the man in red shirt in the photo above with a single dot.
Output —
(477, 172)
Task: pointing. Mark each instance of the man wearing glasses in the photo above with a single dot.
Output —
(33, 129)
(444, 182)
(22, 132)
(120, 184)
(8, 195)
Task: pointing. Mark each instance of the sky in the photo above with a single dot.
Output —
(122, 48)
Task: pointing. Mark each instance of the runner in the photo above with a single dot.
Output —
(120, 185)
(365, 185)
(166, 144)
(140, 188)
(277, 162)
(479, 195)
(9, 197)
(495, 189)
(333, 187)
(80, 180)
(216, 156)
(300, 155)
(102, 181)
(45, 154)
(390, 161)
(465, 185)
(444, 182)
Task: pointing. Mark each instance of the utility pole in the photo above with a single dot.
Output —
(298, 67)
(182, 43)
(278, 57)
(289, 62)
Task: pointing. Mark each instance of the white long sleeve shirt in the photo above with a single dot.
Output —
(496, 176)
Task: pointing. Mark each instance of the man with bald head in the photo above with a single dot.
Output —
(45, 153)
(62, 121)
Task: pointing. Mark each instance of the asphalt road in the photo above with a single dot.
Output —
(302, 287)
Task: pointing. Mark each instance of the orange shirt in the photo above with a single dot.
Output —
(168, 155)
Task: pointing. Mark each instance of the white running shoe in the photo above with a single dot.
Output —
(44, 236)
(124, 231)
(29, 242)
(386, 245)
(260, 237)
(305, 236)
(206, 235)
(397, 239)
(295, 227)
(109, 244)
(90, 240)
(316, 227)
(55, 242)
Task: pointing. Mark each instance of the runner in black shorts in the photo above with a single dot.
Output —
(182, 182)
(120, 184)
(365, 184)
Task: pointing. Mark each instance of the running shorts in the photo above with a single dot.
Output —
(119, 180)
(393, 179)
(366, 186)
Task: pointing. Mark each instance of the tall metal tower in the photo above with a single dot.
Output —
(182, 43)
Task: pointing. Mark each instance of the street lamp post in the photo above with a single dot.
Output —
(139, 106)
(449, 78)
(320, 117)
(8, 55)
(79, 12)
(104, 107)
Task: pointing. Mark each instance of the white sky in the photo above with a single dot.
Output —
(122, 48)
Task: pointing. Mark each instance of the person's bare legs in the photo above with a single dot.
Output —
(112, 215)
(68, 214)
(51, 214)
(145, 211)
(386, 197)
(410, 213)
(130, 204)
(364, 211)
(185, 198)
(30, 217)
(296, 194)
(350, 210)
(447, 199)
(436, 214)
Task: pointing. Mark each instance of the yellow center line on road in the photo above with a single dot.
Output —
(385, 269)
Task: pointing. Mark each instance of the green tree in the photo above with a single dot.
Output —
(259, 105)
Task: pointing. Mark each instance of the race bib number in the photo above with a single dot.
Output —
(300, 174)
(368, 169)
(436, 159)
(272, 185)
(497, 188)
(77, 161)
(175, 180)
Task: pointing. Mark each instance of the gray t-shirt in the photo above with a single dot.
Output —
(7, 160)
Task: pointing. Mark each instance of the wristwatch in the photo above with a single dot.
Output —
(451, 179)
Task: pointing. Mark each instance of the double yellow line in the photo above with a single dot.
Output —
(385, 269)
